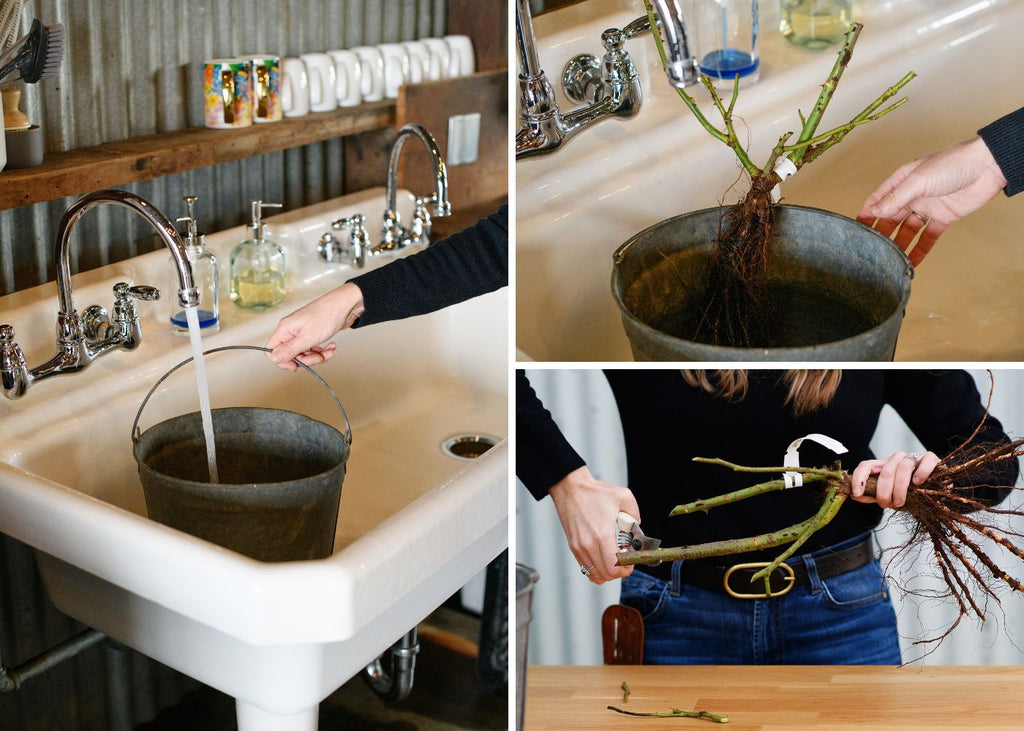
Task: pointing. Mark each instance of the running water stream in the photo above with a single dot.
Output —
(204, 390)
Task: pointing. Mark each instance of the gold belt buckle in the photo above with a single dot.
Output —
(789, 577)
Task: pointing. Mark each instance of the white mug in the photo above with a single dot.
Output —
(348, 77)
(396, 67)
(294, 87)
(440, 58)
(462, 61)
(419, 62)
(371, 69)
(322, 82)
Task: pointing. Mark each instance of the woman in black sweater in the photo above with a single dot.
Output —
(467, 264)
(839, 610)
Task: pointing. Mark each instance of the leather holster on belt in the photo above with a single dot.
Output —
(622, 632)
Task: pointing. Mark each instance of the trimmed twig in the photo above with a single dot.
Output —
(676, 713)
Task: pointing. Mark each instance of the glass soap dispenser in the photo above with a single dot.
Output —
(257, 266)
(204, 272)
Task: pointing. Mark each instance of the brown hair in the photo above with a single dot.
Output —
(809, 389)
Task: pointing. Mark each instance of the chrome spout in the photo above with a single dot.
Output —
(393, 234)
(81, 340)
(680, 62)
(188, 295)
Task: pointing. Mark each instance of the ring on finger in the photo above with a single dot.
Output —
(585, 570)
(924, 219)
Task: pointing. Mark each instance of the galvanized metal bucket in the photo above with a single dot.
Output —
(280, 472)
(526, 577)
(859, 278)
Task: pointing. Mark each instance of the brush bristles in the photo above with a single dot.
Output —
(54, 50)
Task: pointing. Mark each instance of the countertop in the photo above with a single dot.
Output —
(778, 698)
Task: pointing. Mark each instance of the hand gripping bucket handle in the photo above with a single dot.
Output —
(135, 425)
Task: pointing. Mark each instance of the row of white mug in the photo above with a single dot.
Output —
(265, 88)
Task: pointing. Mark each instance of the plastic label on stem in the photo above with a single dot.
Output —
(784, 168)
(792, 458)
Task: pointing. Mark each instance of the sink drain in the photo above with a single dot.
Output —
(468, 446)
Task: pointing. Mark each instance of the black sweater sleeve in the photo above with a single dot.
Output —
(543, 455)
(467, 264)
(943, 412)
(1005, 140)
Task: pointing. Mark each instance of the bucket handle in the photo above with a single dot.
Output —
(136, 434)
(620, 253)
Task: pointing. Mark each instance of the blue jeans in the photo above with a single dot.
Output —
(845, 620)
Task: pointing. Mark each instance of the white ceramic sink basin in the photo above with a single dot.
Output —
(576, 206)
(415, 523)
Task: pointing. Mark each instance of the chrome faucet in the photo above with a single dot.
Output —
(81, 339)
(393, 234)
(610, 87)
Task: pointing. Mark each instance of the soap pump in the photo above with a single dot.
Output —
(204, 272)
(257, 266)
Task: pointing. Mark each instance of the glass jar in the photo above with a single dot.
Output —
(727, 41)
(815, 23)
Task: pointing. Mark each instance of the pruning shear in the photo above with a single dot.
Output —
(629, 537)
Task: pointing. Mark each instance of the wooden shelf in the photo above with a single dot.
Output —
(143, 158)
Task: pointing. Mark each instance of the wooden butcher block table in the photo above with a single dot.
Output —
(778, 698)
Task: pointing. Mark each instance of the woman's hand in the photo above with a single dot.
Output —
(304, 333)
(588, 509)
(895, 476)
(929, 194)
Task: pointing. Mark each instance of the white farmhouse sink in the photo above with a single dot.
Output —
(576, 206)
(415, 524)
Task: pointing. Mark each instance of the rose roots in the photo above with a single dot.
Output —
(735, 309)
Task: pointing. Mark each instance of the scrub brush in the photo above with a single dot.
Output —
(36, 55)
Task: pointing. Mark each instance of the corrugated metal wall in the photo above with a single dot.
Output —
(129, 70)
(566, 627)
(132, 68)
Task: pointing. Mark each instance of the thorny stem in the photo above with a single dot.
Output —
(727, 137)
(835, 136)
(676, 713)
(809, 145)
(828, 90)
(796, 535)
(725, 547)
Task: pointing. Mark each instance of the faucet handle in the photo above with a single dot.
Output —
(10, 353)
(124, 293)
(14, 376)
(358, 239)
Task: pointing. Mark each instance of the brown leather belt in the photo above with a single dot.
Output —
(735, 579)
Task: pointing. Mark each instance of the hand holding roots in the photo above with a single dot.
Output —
(946, 519)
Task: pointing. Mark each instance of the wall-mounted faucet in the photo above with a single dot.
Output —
(393, 234)
(610, 87)
(81, 339)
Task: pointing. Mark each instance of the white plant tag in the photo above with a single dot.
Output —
(792, 458)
